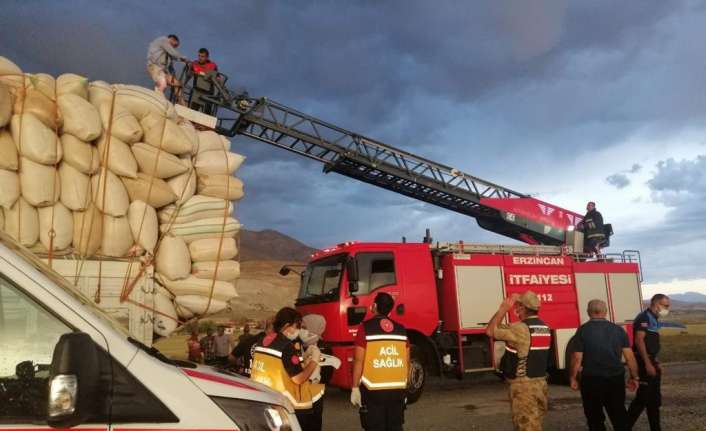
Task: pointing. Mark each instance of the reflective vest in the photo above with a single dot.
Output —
(268, 369)
(535, 363)
(203, 68)
(385, 365)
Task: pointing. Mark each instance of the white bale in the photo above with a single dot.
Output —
(109, 194)
(59, 219)
(117, 155)
(83, 156)
(142, 102)
(9, 188)
(183, 185)
(9, 72)
(165, 317)
(70, 83)
(158, 288)
(202, 229)
(38, 104)
(165, 134)
(40, 184)
(222, 290)
(228, 270)
(199, 305)
(154, 191)
(44, 83)
(88, 231)
(100, 93)
(183, 313)
(143, 225)
(154, 162)
(8, 153)
(205, 250)
(75, 187)
(22, 222)
(220, 186)
(81, 119)
(172, 259)
(35, 140)
(211, 141)
(5, 105)
(117, 236)
(191, 134)
(122, 124)
(196, 208)
(218, 162)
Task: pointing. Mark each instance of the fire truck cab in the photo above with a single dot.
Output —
(445, 294)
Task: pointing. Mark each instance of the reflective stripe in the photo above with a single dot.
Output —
(386, 385)
(267, 351)
(540, 348)
(510, 350)
(297, 404)
(538, 326)
(385, 337)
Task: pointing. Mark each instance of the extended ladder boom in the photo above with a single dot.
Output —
(496, 208)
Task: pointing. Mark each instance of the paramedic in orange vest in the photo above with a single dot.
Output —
(380, 369)
(277, 363)
(524, 364)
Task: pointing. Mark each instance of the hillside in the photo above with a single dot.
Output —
(270, 245)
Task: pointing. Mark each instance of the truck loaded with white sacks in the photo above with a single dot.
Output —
(132, 203)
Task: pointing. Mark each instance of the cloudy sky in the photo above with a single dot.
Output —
(566, 100)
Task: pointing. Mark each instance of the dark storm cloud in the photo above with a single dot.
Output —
(505, 90)
(619, 181)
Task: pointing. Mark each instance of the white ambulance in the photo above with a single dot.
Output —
(65, 363)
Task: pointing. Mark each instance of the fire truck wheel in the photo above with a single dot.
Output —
(417, 374)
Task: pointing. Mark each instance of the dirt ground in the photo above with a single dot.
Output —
(480, 403)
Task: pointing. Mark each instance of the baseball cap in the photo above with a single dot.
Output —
(529, 300)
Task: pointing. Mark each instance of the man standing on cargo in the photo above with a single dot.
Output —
(599, 346)
(381, 364)
(646, 346)
(524, 364)
(160, 54)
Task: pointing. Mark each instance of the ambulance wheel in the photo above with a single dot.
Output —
(417, 374)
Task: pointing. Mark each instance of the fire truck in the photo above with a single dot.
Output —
(445, 293)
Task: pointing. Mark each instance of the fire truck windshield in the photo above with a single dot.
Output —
(321, 280)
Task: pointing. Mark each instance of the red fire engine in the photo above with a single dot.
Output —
(444, 293)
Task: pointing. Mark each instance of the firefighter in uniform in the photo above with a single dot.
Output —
(381, 365)
(592, 228)
(278, 363)
(524, 364)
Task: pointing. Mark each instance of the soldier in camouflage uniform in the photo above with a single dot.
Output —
(524, 363)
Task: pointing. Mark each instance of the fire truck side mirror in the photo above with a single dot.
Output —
(352, 270)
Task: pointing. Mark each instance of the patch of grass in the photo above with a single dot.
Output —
(684, 347)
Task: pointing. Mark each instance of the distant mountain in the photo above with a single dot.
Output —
(272, 245)
(689, 297)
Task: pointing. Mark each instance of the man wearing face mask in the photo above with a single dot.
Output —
(646, 346)
(524, 364)
(278, 364)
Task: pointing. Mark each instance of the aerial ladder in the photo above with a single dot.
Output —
(495, 208)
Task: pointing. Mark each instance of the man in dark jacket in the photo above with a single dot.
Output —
(592, 228)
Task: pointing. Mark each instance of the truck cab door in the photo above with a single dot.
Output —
(376, 272)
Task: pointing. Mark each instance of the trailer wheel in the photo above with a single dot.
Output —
(417, 374)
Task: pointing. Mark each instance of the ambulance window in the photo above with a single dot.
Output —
(28, 334)
(375, 270)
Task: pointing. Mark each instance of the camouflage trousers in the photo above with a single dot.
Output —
(528, 402)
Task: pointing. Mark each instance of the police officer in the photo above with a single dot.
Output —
(592, 227)
(646, 346)
(381, 366)
(524, 364)
(277, 363)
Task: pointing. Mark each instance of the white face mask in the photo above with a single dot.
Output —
(308, 337)
(293, 335)
(663, 312)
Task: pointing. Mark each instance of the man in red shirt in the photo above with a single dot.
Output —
(203, 63)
